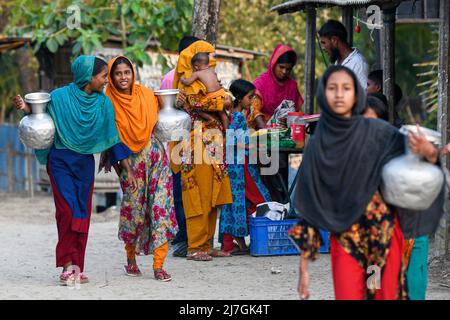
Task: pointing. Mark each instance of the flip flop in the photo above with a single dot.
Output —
(199, 256)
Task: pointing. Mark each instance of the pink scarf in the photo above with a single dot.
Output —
(270, 91)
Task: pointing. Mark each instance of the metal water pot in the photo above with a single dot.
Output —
(410, 182)
(172, 122)
(37, 129)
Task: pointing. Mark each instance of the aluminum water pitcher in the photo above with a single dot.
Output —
(409, 181)
(37, 129)
(172, 122)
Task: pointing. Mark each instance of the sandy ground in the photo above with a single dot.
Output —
(27, 265)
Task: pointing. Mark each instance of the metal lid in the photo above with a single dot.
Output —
(431, 135)
(37, 97)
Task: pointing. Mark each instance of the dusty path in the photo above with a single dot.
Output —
(28, 238)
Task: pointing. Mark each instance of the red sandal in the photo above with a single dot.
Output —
(162, 275)
(199, 256)
(67, 278)
(82, 278)
(132, 270)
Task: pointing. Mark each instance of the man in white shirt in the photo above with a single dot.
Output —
(333, 39)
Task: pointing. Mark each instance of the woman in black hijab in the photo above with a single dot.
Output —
(337, 190)
(416, 225)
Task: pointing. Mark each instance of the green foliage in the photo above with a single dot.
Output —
(428, 81)
(250, 25)
(416, 47)
(246, 24)
(136, 23)
(431, 120)
(9, 84)
(50, 24)
(416, 54)
(414, 44)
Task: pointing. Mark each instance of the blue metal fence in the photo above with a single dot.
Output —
(14, 169)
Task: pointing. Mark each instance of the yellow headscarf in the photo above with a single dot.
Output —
(184, 67)
(136, 114)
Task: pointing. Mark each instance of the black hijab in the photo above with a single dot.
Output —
(342, 162)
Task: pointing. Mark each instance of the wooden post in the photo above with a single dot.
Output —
(310, 58)
(377, 38)
(205, 19)
(28, 78)
(10, 166)
(347, 21)
(245, 71)
(29, 160)
(388, 57)
(2, 111)
(442, 234)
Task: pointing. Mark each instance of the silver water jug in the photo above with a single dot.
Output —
(37, 129)
(409, 181)
(172, 122)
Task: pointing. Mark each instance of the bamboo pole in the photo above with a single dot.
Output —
(310, 58)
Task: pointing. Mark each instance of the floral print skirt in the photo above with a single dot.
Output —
(147, 216)
(368, 240)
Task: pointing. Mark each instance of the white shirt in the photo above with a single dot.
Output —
(358, 64)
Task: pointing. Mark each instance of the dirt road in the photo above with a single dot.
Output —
(27, 266)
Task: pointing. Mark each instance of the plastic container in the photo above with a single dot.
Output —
(269, 238)
(273, 124)
(297, 125)
(295, 118)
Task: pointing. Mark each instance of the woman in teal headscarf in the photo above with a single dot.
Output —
(85, 124)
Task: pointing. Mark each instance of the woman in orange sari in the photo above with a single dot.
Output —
(205, 184)
(147, 216)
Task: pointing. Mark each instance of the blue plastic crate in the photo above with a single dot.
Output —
(269, 238)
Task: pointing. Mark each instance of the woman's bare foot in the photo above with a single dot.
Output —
(216, 253)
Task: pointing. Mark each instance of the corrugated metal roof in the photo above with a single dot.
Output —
(296, 5)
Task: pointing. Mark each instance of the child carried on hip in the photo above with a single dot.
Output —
(206, 75)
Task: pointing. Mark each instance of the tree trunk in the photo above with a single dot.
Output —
(4, 20)
(24, 59)
(28, 78)
(205, 19)
(2, 112)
